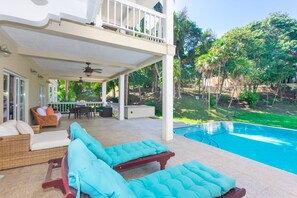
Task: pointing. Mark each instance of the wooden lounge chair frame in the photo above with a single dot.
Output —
(70, 192)
(162, 158)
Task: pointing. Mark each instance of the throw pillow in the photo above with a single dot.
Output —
(50, 111)
(10, 127)
(4, 131)
(24, 128)
(41, 111)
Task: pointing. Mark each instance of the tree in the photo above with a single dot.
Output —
(279, 59)
(186, 36)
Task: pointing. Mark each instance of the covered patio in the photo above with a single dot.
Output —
(259, 180)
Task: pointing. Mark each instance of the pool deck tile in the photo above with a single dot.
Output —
(259, 180)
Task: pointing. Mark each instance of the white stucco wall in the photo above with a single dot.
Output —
(21, 66)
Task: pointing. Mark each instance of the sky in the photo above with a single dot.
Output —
(224, 15)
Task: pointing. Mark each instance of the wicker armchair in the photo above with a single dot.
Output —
(48, 120)
(15, 152)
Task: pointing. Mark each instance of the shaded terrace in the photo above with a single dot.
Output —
(259, 180)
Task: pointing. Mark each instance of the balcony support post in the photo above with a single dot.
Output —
(104, 93)
(167, 64)
(121, 96)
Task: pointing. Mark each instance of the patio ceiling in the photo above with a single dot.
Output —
(62, 48)
(64, 58)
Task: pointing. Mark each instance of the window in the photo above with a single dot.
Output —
(42, 96)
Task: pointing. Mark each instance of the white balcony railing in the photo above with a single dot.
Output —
(133, 19)
(64, 107)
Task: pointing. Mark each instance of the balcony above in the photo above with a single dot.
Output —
(115, 36)
(132, 19)
(135, 18)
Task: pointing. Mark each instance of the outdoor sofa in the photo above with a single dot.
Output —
(84, 175)
(44, 119)
(19, 145)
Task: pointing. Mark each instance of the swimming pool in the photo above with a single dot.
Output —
(273, 146)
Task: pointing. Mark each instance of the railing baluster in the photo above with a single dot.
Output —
(139, 21)
(121, 14)
(133, 26)
(127, 18)
(144, 23)
(161, 29)
(108, 11)
(155, 26)
(150, 25)
(115, 12)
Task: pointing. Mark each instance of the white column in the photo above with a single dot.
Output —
(168, 25)
(121, 96)
(104, 93)
(167, 98)
(167, 65)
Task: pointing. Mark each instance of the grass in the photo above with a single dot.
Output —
(266, 118)
(192, 111)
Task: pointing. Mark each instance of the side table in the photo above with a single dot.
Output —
(36, 128)
(105, 111)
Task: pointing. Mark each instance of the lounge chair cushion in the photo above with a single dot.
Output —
(92, 176)
(48, 140)
(130, 151)
(92, 144)
(188, 180)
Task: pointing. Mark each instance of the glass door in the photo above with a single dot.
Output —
(13, 97)
(5, 97)
(22, 97)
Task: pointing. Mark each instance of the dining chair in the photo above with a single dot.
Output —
(84, 111)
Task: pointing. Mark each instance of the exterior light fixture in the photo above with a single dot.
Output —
(4, 51)
(33, 71)
(80, 82)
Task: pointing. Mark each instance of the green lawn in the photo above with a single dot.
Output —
(192, 111)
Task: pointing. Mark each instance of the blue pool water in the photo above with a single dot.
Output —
(270, 145)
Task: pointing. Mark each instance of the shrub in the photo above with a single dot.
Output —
(251, 97)
(157, 105)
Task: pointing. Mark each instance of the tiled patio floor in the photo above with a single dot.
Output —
(259, 180)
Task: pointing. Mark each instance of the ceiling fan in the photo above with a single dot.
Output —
(88, 70)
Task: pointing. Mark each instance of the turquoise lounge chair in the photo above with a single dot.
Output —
(124, 155)
(118, 157)
(84, 175)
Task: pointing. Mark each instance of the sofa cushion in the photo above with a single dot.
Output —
(9, 128)
(24, 128)
(50, 111)
(188, 180)
(41, 111)
(92, 176)
(48, 140)
(92, 144)
(130, 151)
